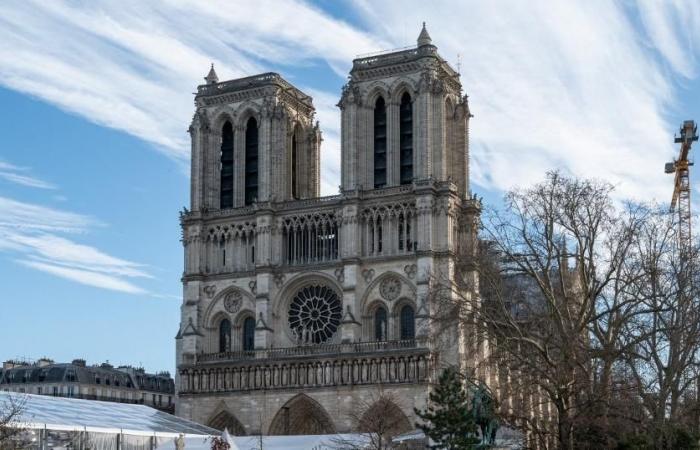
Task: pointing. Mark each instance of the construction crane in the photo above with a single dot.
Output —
(681, 189)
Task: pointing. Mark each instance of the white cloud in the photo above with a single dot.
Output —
(28, 217)
(18, 175)
(71, 254)
(586, 87)
(328, 114)
(86, 277)
(33, 233)
(576, 86)
(673, 27)
(133, 65)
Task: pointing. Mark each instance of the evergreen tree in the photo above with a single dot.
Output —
(448, 419)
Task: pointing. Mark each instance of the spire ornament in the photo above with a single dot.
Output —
(211, 77)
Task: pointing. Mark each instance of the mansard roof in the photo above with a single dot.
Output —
(125, 377)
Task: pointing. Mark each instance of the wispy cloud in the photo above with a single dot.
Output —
(32, 234)
(29, 217)
(133, 65)
(586, 87)
(20, 175)
(574, 85)
(85, 277)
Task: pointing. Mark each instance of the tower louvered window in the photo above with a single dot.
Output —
(406, 139)
(226, 194)
(248, 334)
(251, 161)
(379, 144)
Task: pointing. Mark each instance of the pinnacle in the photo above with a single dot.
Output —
(211, 77)
(424, 37)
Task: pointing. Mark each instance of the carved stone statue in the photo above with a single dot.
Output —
(180, 442)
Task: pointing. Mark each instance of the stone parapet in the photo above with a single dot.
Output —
(412, 365)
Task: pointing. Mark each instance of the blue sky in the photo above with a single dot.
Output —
(97, 96)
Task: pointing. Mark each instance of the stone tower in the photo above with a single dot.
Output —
(298, 309)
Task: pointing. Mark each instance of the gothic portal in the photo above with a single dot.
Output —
(297, 309)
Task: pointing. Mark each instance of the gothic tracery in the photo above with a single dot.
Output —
(285, 290)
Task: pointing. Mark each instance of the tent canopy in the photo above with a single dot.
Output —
(58, 413)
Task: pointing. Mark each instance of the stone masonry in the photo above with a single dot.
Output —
(299, 310)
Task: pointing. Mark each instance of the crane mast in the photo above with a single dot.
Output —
(681, 189)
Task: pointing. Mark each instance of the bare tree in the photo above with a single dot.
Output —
(551, 276)
(11, 408)
(378, 419)
(664, 362)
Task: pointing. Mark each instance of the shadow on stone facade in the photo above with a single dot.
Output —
(225, 420)
(301, 415)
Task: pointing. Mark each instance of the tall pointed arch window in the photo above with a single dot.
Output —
(379, 143)
(226, 192)
(406, 139)
(408, 322)
(293, 165)
(225, 336)
(380, 324)
(251, 161)
(248, 334)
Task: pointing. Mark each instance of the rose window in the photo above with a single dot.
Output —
(315, 314)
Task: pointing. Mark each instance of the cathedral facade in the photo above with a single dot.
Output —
(299, 310)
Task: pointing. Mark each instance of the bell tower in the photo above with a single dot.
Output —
(405, 120)
(298, 309)
(253, 140)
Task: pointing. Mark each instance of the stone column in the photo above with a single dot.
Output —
(363, 148)
(263, 316)
(350, 327)
(424, 222)
(195, 170)
(350, 233)
(239, 166)
(210, 172)
(437, 135)
(423, 145)
(350, 144)
(265, 141)
(393, 172)
(263, 231)
(189, 334)
(314, 150)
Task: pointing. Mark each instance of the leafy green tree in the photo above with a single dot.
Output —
(448, 419)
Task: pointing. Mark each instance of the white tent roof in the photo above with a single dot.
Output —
(300, 442)
(58, 413)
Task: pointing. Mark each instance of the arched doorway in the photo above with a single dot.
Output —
(226, 420)
(301, 415)
(385, 418)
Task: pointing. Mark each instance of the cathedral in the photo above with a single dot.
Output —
(300, 310)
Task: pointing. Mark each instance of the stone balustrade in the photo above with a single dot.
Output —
(316, 350)
(327, 366)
